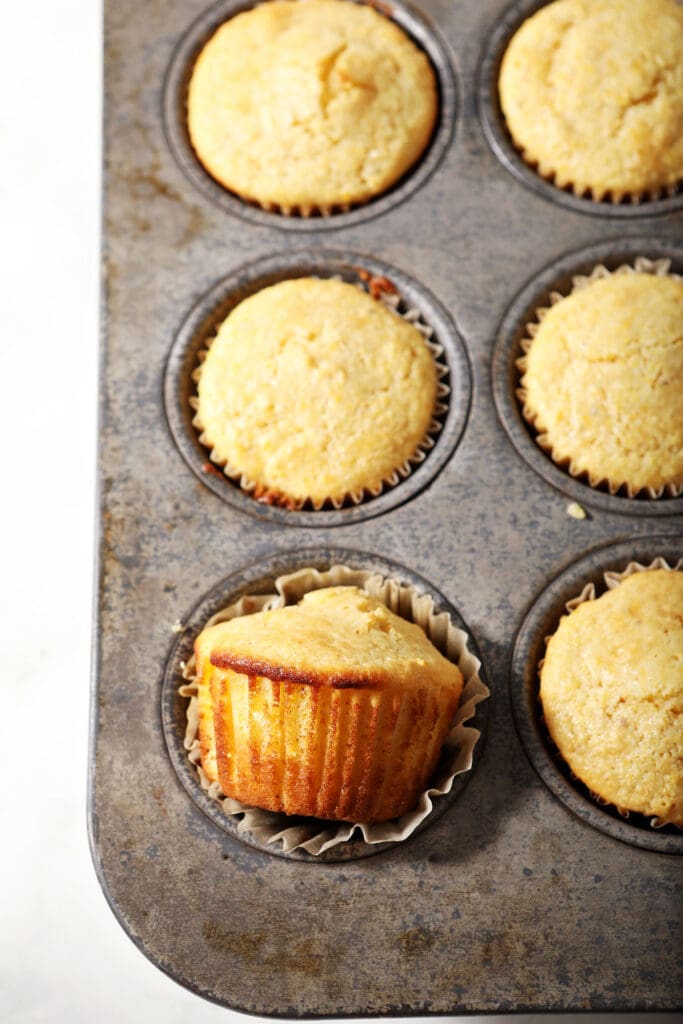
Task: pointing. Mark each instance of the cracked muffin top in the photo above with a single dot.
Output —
(612, 693)
(314, 390)
(592, 92)
(310, 104)
(603, 381)
(338, 637)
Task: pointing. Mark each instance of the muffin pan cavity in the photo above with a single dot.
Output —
(499, 139)
(260, 579)
(409, 299)
(424, 35)
(540, 622)
(557, 278)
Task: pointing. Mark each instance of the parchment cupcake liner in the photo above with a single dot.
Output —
(314, 835)
(642, 265)
(612, 580)
(383, 290)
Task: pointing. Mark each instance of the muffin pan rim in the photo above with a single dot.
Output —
(251, 579)
(211, 308)
(539, 620)
(499, 140)
(505, 375)
(422, 32)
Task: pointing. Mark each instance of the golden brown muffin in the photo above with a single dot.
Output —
(335, 707)
(310, 104)
(612, 693)
(592, 92)
(603, 382)
(314, 390)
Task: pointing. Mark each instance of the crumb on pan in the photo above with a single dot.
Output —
(576, 511)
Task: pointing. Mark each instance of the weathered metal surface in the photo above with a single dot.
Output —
(509, 901)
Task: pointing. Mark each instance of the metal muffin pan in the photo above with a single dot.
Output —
(508, 901)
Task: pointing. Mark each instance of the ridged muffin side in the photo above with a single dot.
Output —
(334, 708)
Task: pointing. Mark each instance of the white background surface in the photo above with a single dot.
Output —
(63, 957)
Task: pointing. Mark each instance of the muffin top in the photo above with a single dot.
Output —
(603, 381)
(338, 637)
(314, 390)
(612, 693)
(592, 91)
(310, 103)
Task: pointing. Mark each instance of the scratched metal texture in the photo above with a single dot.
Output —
(509, 901)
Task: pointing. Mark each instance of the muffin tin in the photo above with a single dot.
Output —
(517, 895)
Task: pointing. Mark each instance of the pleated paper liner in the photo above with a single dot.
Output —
(608, 197)
(612, 579)
(383, 290)
(316, 836)
(641, 265)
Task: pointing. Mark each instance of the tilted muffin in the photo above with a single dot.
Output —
(592, 92)
(612, 693)
(314, 390)
(310, 104)
(334, 708)
(603, 382)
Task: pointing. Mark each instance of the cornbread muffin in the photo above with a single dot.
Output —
(310, 104)
(335, 707)
(612, 694)
(603, 382)
(592, 92)
(314, 390)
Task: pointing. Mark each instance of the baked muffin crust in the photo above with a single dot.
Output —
(592, 92)
(310, 104)
(314, 390)
(603, 381)
(612, 693)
